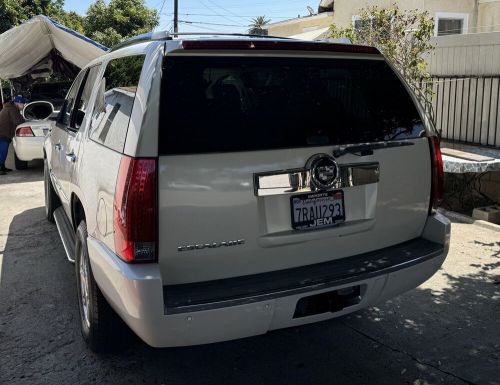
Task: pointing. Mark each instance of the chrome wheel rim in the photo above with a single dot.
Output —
(84, 290)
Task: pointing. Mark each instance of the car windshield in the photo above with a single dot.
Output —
(223, 104)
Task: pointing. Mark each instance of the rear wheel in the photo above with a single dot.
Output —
(20, 164)
(98, 321)
(51, 199)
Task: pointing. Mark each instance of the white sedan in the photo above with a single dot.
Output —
(29, 137)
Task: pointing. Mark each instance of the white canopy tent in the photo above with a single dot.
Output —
(26, 46)
(41, 46)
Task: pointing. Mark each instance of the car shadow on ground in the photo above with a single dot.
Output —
(451, 336)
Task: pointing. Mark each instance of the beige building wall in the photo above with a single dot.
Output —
(481, 15)
(488, 16)
(344, 10)
(300, 25)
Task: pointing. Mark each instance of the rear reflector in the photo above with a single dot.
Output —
(135, 210)
(437, 173)
(265, 45)
(24, 131)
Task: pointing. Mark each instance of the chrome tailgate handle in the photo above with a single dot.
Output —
(299, 180)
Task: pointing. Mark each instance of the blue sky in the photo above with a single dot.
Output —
(217, 15)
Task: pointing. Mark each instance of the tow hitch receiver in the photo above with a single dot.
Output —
(331, 301)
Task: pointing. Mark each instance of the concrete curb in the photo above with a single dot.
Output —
(487, 225)
(461, 218)
(457, 217)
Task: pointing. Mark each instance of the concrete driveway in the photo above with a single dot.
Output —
(447, 331)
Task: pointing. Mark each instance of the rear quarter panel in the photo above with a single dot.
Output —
(96, 178)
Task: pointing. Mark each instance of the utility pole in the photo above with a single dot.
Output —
(176, 16)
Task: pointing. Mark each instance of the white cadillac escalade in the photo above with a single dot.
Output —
(214, 188)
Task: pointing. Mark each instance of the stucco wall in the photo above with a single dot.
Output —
(296, 26)
(345, 9)
(488, 16)
(483, 15)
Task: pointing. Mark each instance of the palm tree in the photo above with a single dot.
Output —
(256, 28)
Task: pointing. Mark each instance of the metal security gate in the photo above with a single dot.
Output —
(466, 108)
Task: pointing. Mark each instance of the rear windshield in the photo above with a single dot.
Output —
(226, 104)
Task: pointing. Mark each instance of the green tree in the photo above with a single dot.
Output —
(15, 12)
(257, 26)
(9, 14)
(111, 23)
(402, 36)
(71, 20)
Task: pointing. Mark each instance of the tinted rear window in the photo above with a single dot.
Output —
(224, 104)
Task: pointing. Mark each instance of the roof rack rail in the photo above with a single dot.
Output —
(165, 35)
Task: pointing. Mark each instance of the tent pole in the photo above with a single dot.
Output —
(11, 91)
(1, 91)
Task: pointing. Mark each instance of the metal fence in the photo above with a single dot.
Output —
(466, 108)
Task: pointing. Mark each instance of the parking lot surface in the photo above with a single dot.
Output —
(447, 331)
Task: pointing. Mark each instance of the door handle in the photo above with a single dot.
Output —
(57, 146)
(71, 157)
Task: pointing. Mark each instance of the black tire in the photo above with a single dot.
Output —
(98, 322)
(20, 164)
(52, 201)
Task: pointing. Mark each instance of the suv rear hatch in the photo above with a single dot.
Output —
(247, 138)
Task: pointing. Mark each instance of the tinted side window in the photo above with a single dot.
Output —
(84, 98)
(65, 114)
(115, 100)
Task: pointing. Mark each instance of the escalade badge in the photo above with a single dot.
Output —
(324, 171)
(213, 245)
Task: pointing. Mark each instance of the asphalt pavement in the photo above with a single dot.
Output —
(447, 331)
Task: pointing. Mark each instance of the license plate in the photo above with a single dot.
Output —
(317, 210)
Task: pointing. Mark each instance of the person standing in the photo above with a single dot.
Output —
(10, 118)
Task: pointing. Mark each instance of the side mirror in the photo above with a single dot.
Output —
(38, 110)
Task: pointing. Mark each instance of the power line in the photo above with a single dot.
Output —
(240, 6)
(207, 23)
(216, 15)
(205, 28)
(168, 27)
(162, 5)
(223, 16)
(224, 9)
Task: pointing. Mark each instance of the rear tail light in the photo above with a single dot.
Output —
(437, 173)
(24, 131)
(135, 210)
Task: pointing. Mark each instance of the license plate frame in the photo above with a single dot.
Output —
(336, 197)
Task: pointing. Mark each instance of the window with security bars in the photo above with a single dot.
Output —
(450, 27)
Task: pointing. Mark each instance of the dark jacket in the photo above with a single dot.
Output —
(10, 118)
